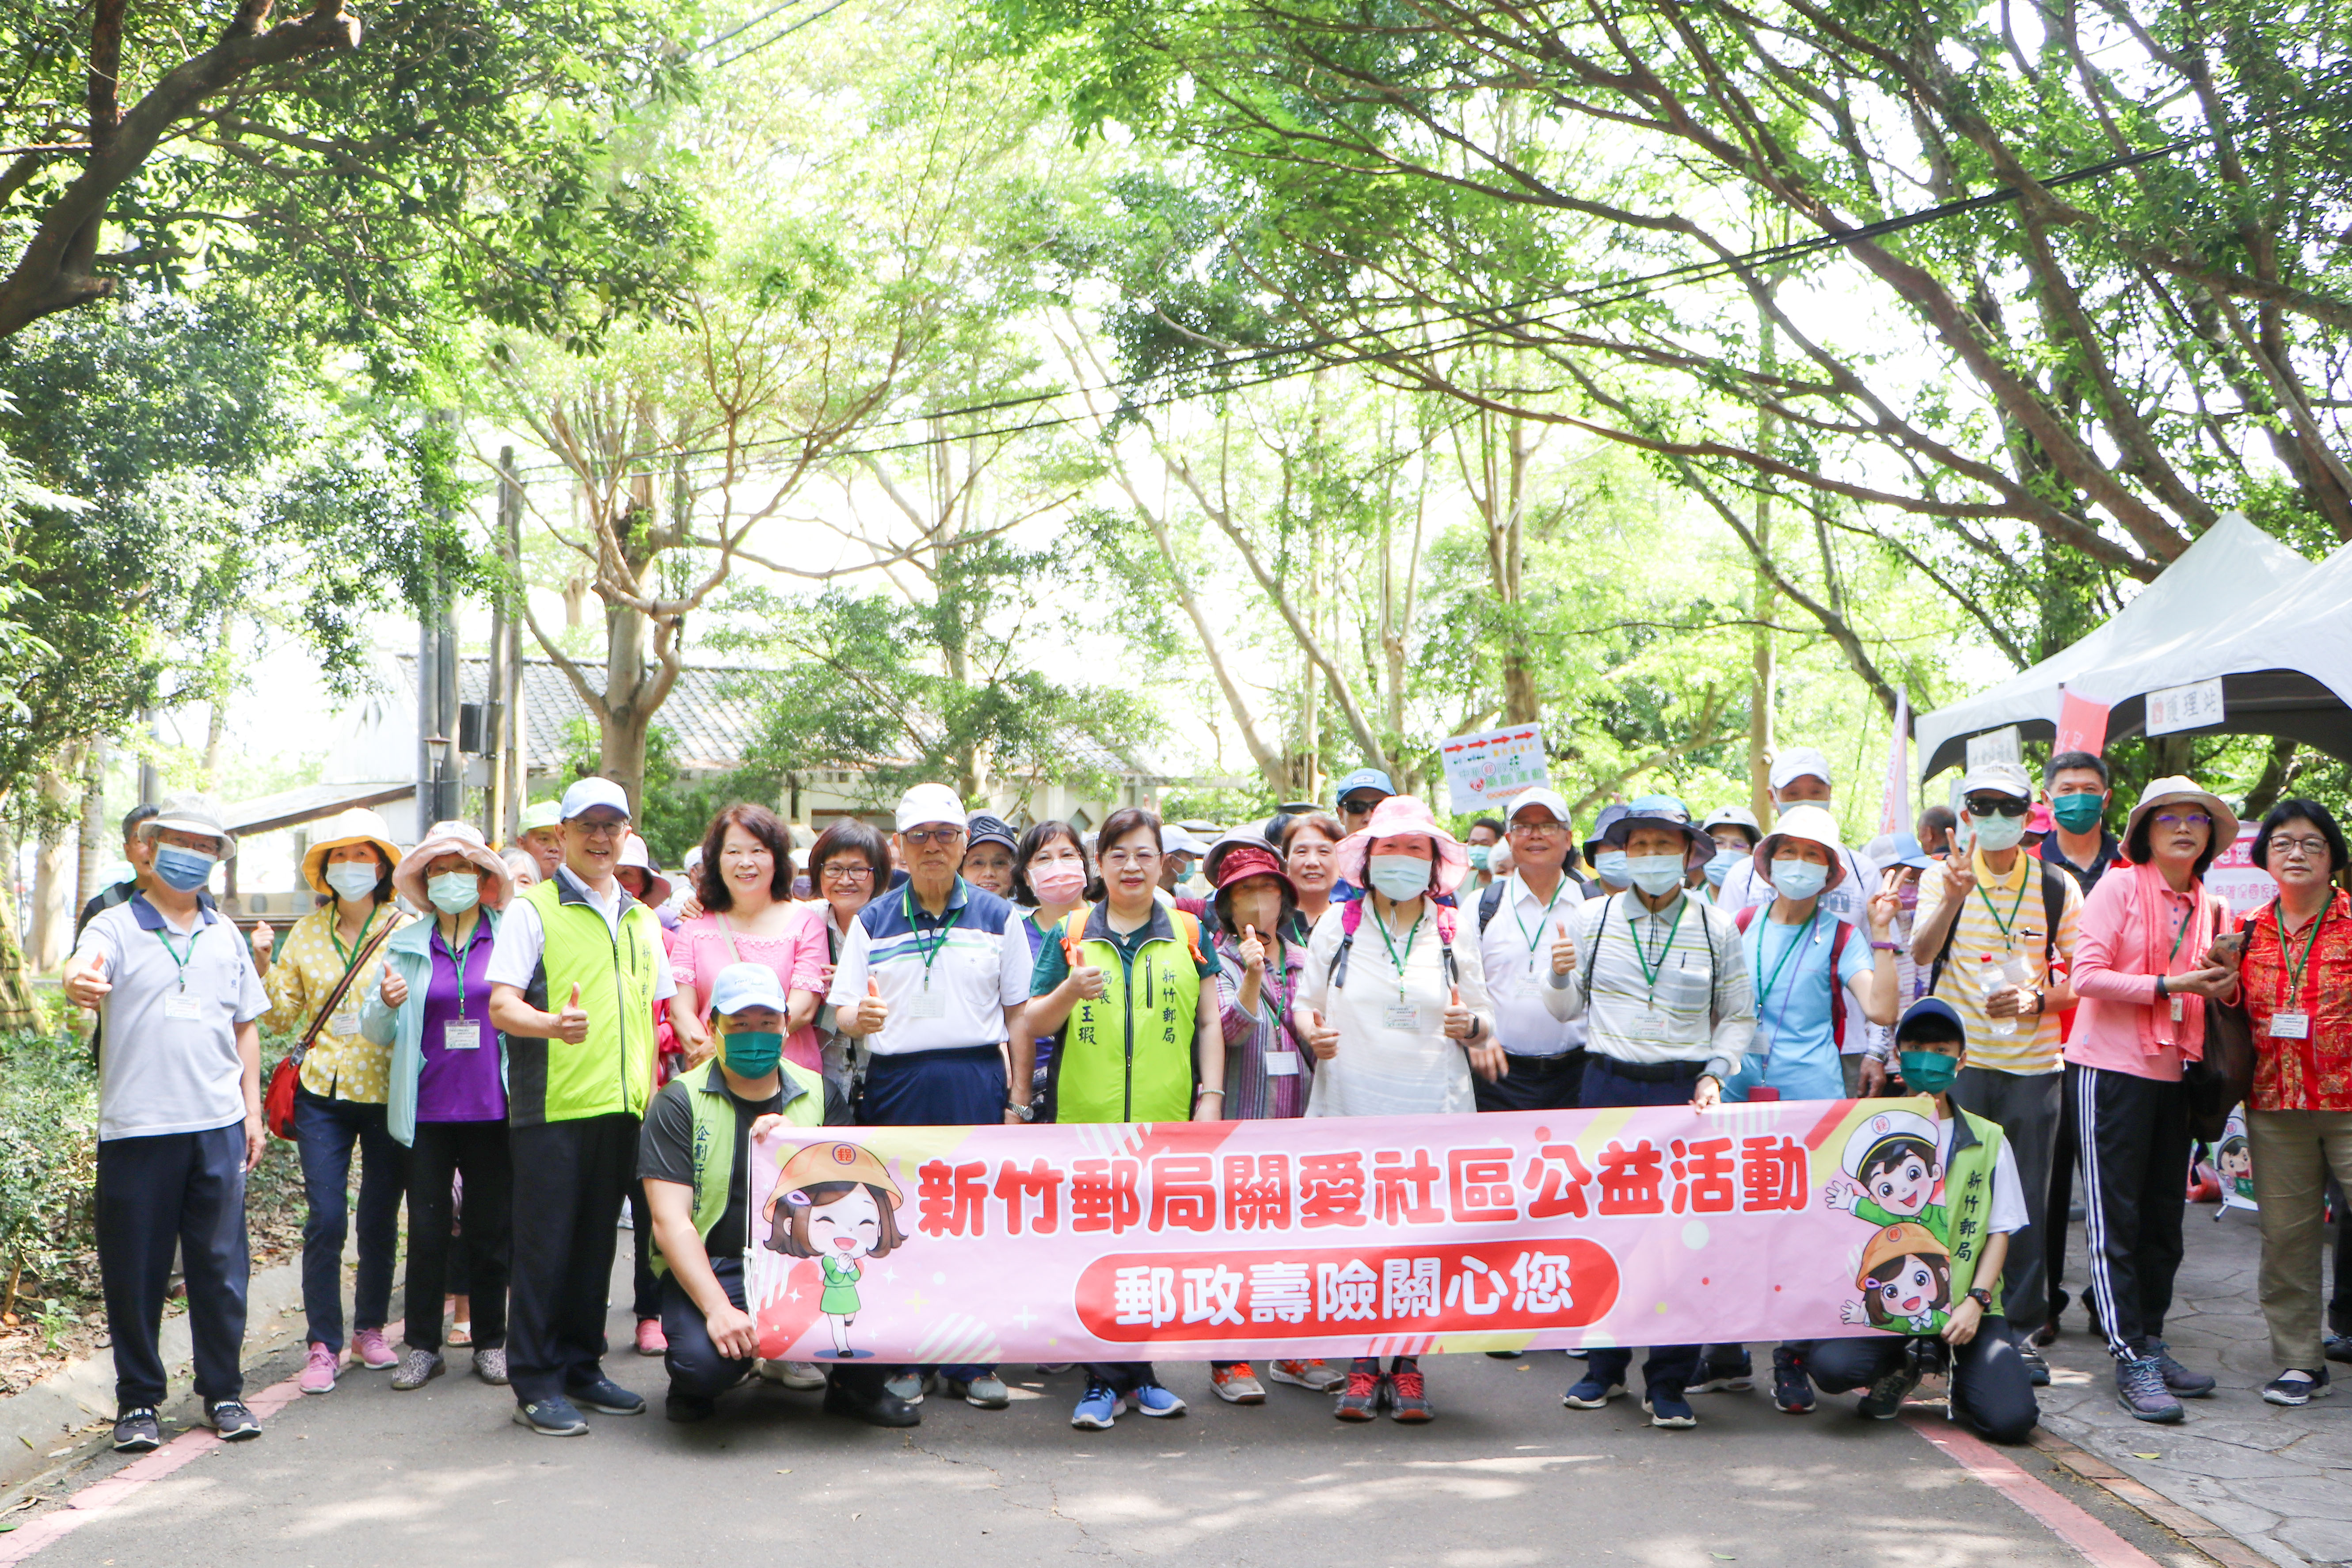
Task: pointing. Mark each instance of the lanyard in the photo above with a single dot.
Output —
(947, 925)
(2278, 914)
(183, 961)
(1999, 924)
(1410, 938)
(1545, 921)
(1796, 946)
(2188, 917)
(351, 956)
(1650, 972)
(457, 960)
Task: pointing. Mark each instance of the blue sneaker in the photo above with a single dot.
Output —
(1792, 1389)
(1591, 1394)
(1667, 1407)
(1098, 1409)
(2139, 1389)
(1153, 1400)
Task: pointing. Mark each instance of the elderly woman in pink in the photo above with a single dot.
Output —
(745, 888)
(2144, 975)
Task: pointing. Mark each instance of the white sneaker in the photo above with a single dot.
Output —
(792, 1374)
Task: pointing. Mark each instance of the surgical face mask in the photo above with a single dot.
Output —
(1997, 832)
(1780, 805)
(1720, 867)
(1608, 866)
(753, 1053)
(184, 869)
(2078, 813)
(1057, 882)
(1401, 877)
(1799, 878)
(1656, 875)
(1927, 1072)
(454, 892)
(353, 880)
(1479, 855)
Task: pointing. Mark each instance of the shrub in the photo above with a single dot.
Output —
(48, 1163)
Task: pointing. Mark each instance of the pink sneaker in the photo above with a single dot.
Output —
(373, 1350)
(651, 1341)
(318, 1372)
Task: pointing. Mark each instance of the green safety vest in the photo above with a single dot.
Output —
(611, 1071)
(1967, 1199)
(707, 1095)
(1129, 1057)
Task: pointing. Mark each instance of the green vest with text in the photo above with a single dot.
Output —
(1129, 1055)
(611, 1071)
(705, 1091)
(1967, 1199)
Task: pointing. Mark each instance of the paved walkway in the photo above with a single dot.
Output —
(2278, 1480)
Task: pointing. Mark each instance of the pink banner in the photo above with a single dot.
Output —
(1331, 1236)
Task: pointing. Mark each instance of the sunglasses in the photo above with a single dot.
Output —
(1996, 805)
(1359, 806)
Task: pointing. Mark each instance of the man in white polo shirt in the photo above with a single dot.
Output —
(934, 975)
(1517, 919)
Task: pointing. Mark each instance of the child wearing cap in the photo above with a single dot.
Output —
(1943, 1199)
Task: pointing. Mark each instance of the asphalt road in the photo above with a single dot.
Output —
(1504, 1478)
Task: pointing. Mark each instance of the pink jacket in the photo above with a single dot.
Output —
(2113, 1021)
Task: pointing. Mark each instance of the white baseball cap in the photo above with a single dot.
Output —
(1998, 778)
(930, 802)
(1548, 798)
(1796, 763)
(588, 793)
(742, 986)
(1175, 838)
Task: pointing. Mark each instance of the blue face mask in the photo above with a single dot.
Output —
(1927, 1072)
(1656, 875)
(1401, 877)
(1720, 867)
(454, 892)
(184, 870)
(1799, 878)
(1608, 866)
(1479, 853)
(753, 1053)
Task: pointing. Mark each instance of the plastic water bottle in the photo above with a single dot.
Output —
(1999, 976)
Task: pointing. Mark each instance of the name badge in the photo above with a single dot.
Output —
(2179, 1011)
(925, 1003)
(180, 1005)
(461, 1035)
(346, 1022)
(1649, 1023)
(1282, 1064)
(2290, 1026)
(1403, 1016)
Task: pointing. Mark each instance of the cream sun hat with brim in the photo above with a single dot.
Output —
(2180, 790)
(1813, 826)
(356, 826)
(452, 838)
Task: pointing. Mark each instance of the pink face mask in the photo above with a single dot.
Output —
(1059, 883)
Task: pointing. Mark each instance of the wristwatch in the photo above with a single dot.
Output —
(1981, 1296)
(1026, 1113)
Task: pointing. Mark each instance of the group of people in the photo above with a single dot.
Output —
(557, 1034)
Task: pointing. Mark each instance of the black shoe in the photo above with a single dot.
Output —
(2339, 1347)
(607, 1397)
(232, 1420)
(688, 1407)
(879, 1408)
(552, 1417)
(2037, 1371)
(137, 1431)
(1884, 1400)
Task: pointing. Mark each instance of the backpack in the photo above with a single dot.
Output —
(2054, 907)
(1747, 916)
(1490, 900)
(1351, 915)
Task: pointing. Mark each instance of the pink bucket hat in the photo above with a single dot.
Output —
(457, 837)
(1398, 816)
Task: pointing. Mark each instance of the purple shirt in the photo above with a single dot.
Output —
(460, 1086)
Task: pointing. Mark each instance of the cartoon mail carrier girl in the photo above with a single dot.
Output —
(838, 1205)
(1905, 1280)
(1890, 1172)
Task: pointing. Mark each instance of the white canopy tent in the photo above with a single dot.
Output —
(2237, 604)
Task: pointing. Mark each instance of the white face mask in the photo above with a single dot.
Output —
(1655, 874)
(353, 880)
(1799, 878)
(1997, 832)
(1609, 869)
(1400, 876)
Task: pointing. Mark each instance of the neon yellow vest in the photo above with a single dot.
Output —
(705, 1094)
(611, 1071)
(1129, 1057)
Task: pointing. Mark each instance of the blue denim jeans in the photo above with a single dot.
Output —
(325, 1131)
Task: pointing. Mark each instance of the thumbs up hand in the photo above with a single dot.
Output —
(1563, 949)
(1459, 1020)
(571, 1024)
(1090, 982)
(394, 989)
(262, 939)
(87, 986)
(1323, 1040)
(872, 1010)
(1253, 951)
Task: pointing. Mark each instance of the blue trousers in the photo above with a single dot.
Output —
(960, 1086)
(1672, 1367)
(186, 1188)
(697, 1370)
(325, 1131)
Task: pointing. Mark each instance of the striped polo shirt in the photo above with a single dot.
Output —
(2003, 914)
(948, 978)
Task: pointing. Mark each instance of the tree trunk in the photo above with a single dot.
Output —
(53, 867)
(18, 1008)
(96, 834)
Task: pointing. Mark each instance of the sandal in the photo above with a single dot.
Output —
(459, 1334)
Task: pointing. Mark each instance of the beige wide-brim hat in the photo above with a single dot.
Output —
(1813, 826)
(635, 853)
(357, 826)
(452, 838)
(2180, 790)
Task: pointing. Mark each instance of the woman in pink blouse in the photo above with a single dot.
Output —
(2144, 972)
(744, 885)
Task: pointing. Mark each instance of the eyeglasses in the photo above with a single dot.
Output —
(1120, 860)
(848, 873)
(2183, 819)
(1554, 829)
(1996, 805)
(2289, 849)
(922, 837)
(591, 827)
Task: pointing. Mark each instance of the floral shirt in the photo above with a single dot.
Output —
(343, 1064)
(2314, 1073)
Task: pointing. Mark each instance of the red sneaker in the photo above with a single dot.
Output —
(650, 1338)
(1408, 1399)
(1360, 1400)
